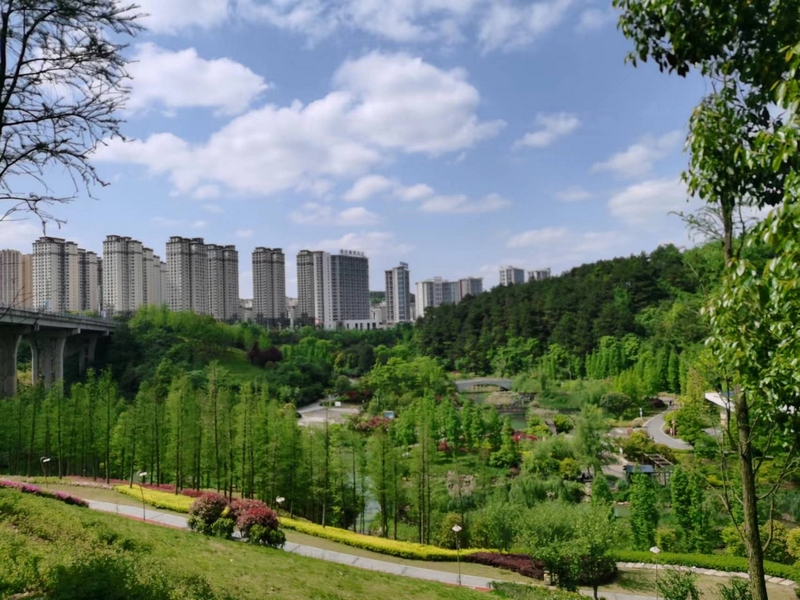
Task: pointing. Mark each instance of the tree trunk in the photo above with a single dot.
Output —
(752, 536)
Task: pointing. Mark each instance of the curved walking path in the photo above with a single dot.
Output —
(371, 564)
(655, 429)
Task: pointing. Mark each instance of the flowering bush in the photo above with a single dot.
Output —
(518, 563)
(27, 488)
(259, 524)
(192, 493)
(241, 506)
(207, 510)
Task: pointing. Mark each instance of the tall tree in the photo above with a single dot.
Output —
(644, 511)
(739, 155)
(62, 76)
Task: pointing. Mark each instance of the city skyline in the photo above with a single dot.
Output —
(441, 135)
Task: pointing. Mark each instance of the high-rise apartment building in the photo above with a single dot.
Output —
(87, 281)
(539, 275)
(398, 294)
(223, 282)
(350, 287)
(123, 274)
(511, 276)
(332, 289)
(437, 291)
(56, 275)
(471, 286)
(187, 264)
(16, 279)
(269, 285)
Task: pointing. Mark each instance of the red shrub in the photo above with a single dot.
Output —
(239, 507)
(192, 493)
(206, 510)
(257, 515)
(518, 563)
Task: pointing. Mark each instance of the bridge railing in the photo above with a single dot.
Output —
(66, 316)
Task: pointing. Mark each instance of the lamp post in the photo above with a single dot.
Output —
(142, 475)
(456, 530)
(280, 500)
(42, 461)
(656, 550)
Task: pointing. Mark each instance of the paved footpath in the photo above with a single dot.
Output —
(655, 428)
(371, 564)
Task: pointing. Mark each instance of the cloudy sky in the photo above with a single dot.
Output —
(454, 135)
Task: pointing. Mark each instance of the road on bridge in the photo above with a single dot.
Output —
(466, 384)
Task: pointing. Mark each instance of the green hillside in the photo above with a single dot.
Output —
(63, 552)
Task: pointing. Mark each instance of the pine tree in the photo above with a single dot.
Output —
(644, 512)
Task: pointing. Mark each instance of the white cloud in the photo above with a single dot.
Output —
(414, 192)
(323, 214)
(207, 192)
(595, 18)
(18, 235)
(381, 104)
(373, 243)
(647, 203)
(214, 209)
(504, 24)
(638, 159)
(368, 186)
(510, 25)
(170, 16)
(165, 222)
(574, 194)
(183, 79)
(244, 234)
(552, 127)
(541, 238)
(461, 204)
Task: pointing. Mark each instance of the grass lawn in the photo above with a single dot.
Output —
(43, 527)
(241, 371)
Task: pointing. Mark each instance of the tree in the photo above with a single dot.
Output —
(742, 154)
(615, 403)
(63, 84)
(678, 585)
(688, 506)
(644, 512)
(601, 491)
(590, 436)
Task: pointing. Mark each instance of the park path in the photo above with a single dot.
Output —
(370, 564)
(655, 428)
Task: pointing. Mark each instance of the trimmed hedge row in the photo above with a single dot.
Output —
(518, 563)
(375, 544)
(177, 503)
(27, 488)
(719, 562)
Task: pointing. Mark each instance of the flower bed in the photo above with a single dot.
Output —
(177, 503)
(518, 563)
(718, 562)
(375, 544)
(27, 488)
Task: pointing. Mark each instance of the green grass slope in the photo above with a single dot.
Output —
(59, 552)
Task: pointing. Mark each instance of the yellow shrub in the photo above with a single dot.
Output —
(177, 503)
(409, 550)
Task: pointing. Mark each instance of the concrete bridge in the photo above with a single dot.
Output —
(465, 385)
(52, 336)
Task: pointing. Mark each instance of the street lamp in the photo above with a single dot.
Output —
(656, 550)
(42, 462)
(142, 475)
(456, 530)
(280, 500)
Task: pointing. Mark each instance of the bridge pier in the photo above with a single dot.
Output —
(9, 344)
(48, 357)
(84, 346)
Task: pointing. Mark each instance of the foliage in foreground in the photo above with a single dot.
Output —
(516, 591)
(72, 559)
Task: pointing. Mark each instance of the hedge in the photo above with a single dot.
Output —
(719, 562)
(409, 550)
(157, 499)
(27, 488)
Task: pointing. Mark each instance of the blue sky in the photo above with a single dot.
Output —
(454, 135)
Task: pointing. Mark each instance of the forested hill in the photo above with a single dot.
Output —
(655, 296)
